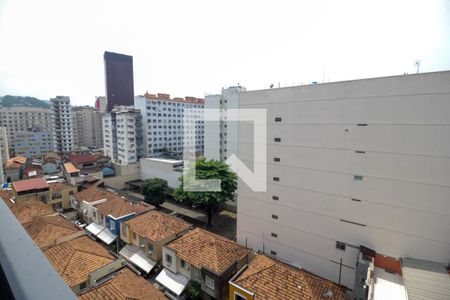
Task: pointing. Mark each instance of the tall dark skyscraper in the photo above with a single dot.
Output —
(118, 79)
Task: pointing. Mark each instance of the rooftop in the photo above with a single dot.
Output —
(70, 168)
(118, 207)
(75, 259)
(27, 210)
(30, 184)
(124, 285)
(82, 158)
(270, 279)
(157, 226)
(59, 186)
(425, 279)
(166, 97)
(46, 231)
(93, 193)
(204, 249)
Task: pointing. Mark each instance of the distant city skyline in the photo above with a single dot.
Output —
(197, 47)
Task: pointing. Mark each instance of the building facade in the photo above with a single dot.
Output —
(87, 126)
(100, 104)
(64, 129)
(222, 136)
(118, 80)
(362, 162)
(122, 131)
(166, 132)
(33, 143)
(17, 119)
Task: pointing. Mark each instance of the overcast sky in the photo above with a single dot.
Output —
(191, 47)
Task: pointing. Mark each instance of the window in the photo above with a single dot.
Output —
(274, 235)
(357, 177)
(277, 139)
(276, 179)
(273, 252)
(238, 297)
(183, 264)
(275, 217)
(276, 159)
(209, 282)
(196, 272)
(94, 214)
(275, 198)
(278, 119)
(133, 235)
(150, 247)
(124, 231)
(169, 259)
(112, 226)
(340, 245)
(362, 124)
(82, 285)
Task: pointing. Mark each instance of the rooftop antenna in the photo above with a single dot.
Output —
(417, 64)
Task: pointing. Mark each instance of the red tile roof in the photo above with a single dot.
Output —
(82, 158)
(30, 184)
(270, 279)
(124, 285)
(157, 226)
(204, 249)
(70, 168)
(93, 193)
(119, 206)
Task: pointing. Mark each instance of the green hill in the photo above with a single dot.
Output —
(15, 101)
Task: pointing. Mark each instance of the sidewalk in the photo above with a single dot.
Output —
(224, 223)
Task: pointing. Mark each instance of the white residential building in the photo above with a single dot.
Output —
(4, 152)
(23, 118)
(122, 131)
(167, 169)
(64, 129)
(361, 162)
(164, 124)
(87, 126)
(222, 136)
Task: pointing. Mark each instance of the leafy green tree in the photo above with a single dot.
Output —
(154, 191)
(194, 289)
(208, 169)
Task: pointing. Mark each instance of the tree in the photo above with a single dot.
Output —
(194, 289)
(154, 191)
(208, 169)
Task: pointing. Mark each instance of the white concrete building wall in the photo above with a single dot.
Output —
(16, 119)
(170, 170)
(63, 120)
(221, 137)
(163, 124)
(87, 126)
(362, 162)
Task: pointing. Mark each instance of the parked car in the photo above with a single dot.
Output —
(80, 224)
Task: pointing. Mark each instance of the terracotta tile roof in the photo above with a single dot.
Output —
(82, 158)
(70, 168)
(59, 186)
(157, 226)
(119, 206)
(27, 210)
(75, 259)
(204, 249)
(124, 285)
(30, 184)
(46, 230)
(270, 279)
(94, 194)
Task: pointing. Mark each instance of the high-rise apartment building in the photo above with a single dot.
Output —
(100, 104)
(122, 133)
(87, 126)
(4, 152)
(64, 129)
(222, 136)
(166, 132)
(33, 142)
(362, 162)
(118, 80)
(17, 119)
